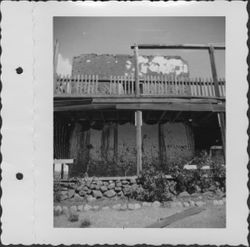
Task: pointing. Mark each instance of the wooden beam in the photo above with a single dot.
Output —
(175, 217)
(137, 80)
(184, 46)
(214, 72)
(63, 161)
(138, 121)
(174, 107)
(222, 125)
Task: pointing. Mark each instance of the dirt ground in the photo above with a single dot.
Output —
(211, 217)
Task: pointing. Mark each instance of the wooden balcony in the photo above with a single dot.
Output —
(90, 86)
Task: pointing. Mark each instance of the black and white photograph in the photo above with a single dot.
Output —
(139, 122)
(124, 123)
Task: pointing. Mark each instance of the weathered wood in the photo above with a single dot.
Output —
(138, 120)
(214, 72)
(63, 161)
(184, 46)
(137, 80)
(175, 217)
(221, 120)
(174, 107)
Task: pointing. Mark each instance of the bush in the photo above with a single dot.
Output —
(85, 223)
(199, 180)
(57, 192)
(155, 186)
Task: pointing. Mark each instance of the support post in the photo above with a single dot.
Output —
(220, 115)
(62, 170)
(138, 123)
(137, 80)
(214, 72)
(222, 125)
(56, 51)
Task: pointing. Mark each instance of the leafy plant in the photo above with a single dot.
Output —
(85, 223)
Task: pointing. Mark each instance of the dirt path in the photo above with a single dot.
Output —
(212, 217)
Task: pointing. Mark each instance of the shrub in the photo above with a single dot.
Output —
(155, 186)
(73, 217)
(57, 192)
(85, 223)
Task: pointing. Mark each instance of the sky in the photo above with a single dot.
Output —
(115, 35)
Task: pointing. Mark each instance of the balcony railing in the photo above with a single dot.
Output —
(155, 86)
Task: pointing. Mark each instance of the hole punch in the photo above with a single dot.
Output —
(19, 176)
(19, 70)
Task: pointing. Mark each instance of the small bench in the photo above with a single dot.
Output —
(63, 163)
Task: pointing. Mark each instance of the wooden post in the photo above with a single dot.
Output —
(56, 51)
(138, 123)
(137, 80)
(214, 72)
(220, 115)
(62, 170)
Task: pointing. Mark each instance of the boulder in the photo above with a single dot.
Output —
(92, 186)
(186, 204)
(156, 204)
(95, 208)
(125, 182)
(73, 208)
(184, 194)
(137, 206)
(133, 181)
(82, 193)
(90, 199)
(87, 207)
(126, 191)
(105, 208)
(80, 208)
(124, 207)
(65, 210)
(120, 193)
(97, 194)
(118, 184)
(199, 203)
(77, 198)
(111, 186)
(117, 189)
(58, 210)
(71, 193)
(146, 204)
(103, 188)
(117, 206)
(110, 193)
(192, 203)
(131, 206)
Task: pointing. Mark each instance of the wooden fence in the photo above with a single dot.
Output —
(92, 86)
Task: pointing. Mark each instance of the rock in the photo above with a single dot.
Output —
(146, 204)
(208, 194)
(73, 209)
(90, 199)
(78, 198)
(92, 186)
(89, 192)
(191, 203)
(197, 188)
(167, 204)
(65, 210)
(133, 181)
(117, 206)
(124, 207)
(82, 193)
(126, 191)
(124, 182)
(111, 186)
(98, 187)
(105, 208)
(134, 187)
(110, 193)
(103, 188)
(105, 183)
(97, 194)
(176, 204)
(131, 206)
(96, 207)
(120, 193)
(137, 206)
(199, 203)
(156, 204)
(186, 204)
(80, 208)
(118, 184)
(58, 210)
(184, 194)
(219, 193)
(87, 207)
(117, 189)
(71, 193)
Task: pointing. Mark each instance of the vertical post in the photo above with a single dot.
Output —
(214, 72)
(138, 123)
(56, 51)
(220, 115)
(137, 81)
(62, 171)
